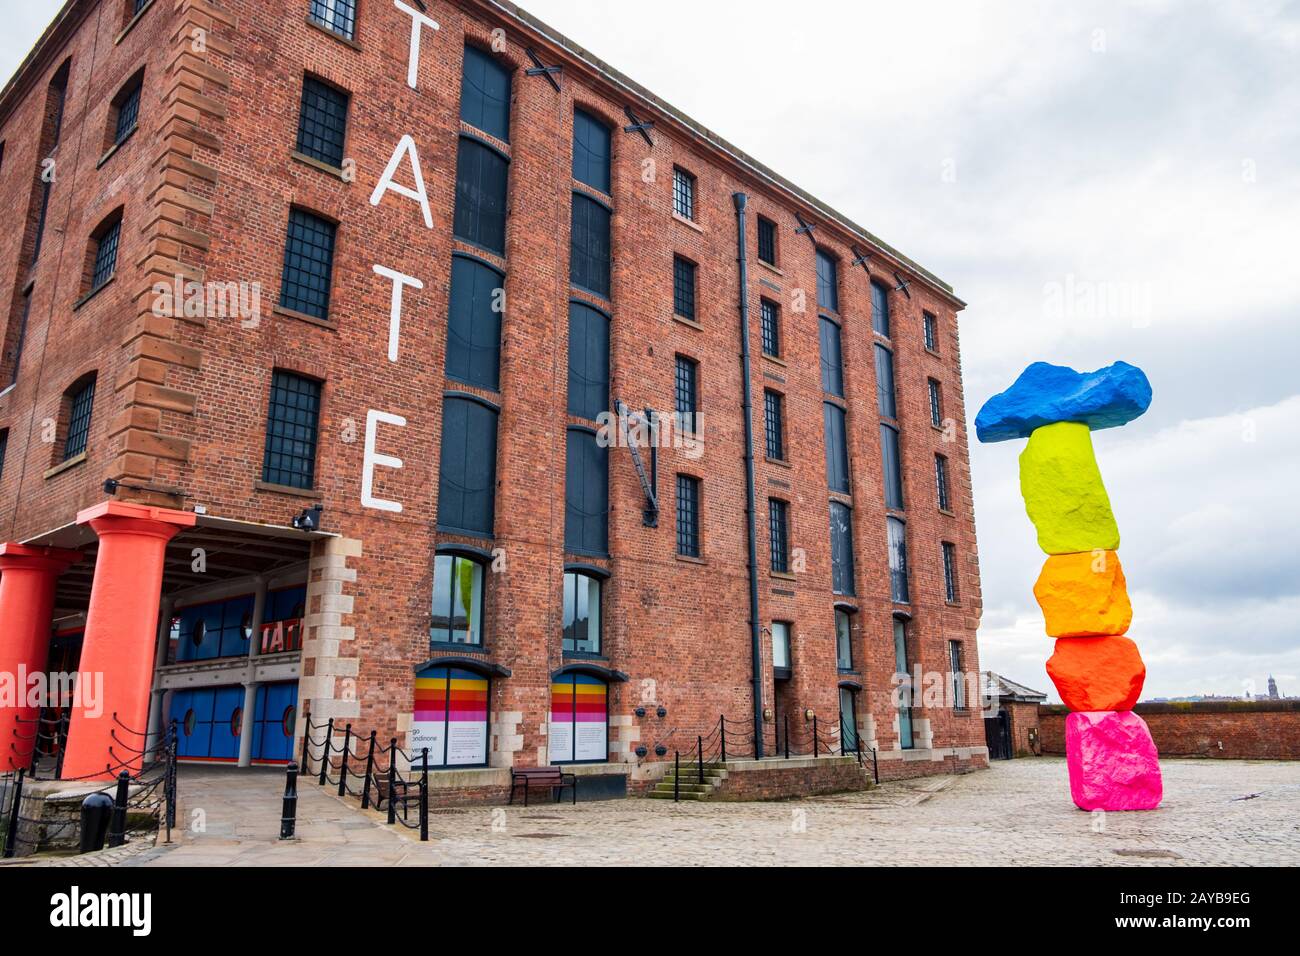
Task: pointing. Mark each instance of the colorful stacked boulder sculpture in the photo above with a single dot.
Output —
(1096, 668)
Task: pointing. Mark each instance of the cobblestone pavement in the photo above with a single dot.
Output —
(1229, 813)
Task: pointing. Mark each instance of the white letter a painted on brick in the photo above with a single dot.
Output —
(386, 184)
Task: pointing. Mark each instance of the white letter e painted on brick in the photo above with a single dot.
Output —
(373, 460)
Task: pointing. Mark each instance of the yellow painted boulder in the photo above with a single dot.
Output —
(1097, 673)
(1063, 491)
(1084, 595)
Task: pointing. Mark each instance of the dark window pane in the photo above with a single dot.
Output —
(337, 15)
(474, 324)
(837, 451)
(688, 516)
(581, 614)
(828, 292)
(891, 465)
(931, 332)
(591, 151)
(467, 467)
(778, 517)
(767, 241)
(773, 419)
(589, 246)
(844, 640)
(832, 363)
(586, 495)
(771, 327)
(936, 404)
(880, 309)
(958, 674)
(885, 382)
(683, 193)
(897, 533)
(684, 288)
(4, 448)
(485, 94)
(292, 423)
(322, 122)
(128, 113)
(83, 401)
(841, 549)
(137, 6)
(308, 264)
(687, 393)
(481, 175)
(106, 255)
(40, 219)
(950, 572)
(588, 361)
(941, 481)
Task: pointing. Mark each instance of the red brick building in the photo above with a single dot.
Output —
(400, 262)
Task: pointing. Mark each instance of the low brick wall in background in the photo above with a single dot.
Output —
(801, 777)
(1240, 730)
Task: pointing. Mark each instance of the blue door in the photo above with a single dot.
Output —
(273, 722)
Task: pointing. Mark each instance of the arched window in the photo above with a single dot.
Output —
(451, 718)
(579, 725)
(485, 94)
(467, 466)
(79, 403)
(458, 603)
(844, 638)
(902, 669)
(582, 622)
(474, 322)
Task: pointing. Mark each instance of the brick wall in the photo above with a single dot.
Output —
(1242, 730)
(206, 186)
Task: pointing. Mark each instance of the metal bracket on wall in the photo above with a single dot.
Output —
(541, 69)
(639, 126)
(650, 480)
(806, 229)
(902, 285)
(861, 259)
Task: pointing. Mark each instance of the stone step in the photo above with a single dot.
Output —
(687, 787)
(668, 795)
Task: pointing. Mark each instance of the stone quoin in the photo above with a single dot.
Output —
(328, 333)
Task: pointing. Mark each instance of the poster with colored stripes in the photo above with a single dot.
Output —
(451, 717)
(579, 727)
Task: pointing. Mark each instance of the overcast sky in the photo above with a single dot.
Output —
(1099, 181)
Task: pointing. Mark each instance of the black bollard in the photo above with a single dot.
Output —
(117, 823)
(289, 813)
(96, 810)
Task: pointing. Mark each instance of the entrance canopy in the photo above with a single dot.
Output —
(230, 550)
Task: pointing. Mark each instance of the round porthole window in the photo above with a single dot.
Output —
(236, 721)
(199, 632)
(190, 721)
(288, 720)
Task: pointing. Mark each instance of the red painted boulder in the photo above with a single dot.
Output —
(1097, 673)
(1113, 761)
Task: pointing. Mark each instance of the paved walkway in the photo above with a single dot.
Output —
(1215, 812)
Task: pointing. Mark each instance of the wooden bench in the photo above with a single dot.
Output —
(552, 777)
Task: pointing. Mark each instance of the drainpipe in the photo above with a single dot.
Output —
(755, 628)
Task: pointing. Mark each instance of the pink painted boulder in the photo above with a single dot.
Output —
(1112, 760)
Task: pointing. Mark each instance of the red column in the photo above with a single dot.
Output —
(27, 579)
(121, 628)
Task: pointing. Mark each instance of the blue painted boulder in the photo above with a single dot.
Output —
(1045, 394)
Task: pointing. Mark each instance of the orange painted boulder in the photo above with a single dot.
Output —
(1097, 673)
(1084, 595)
